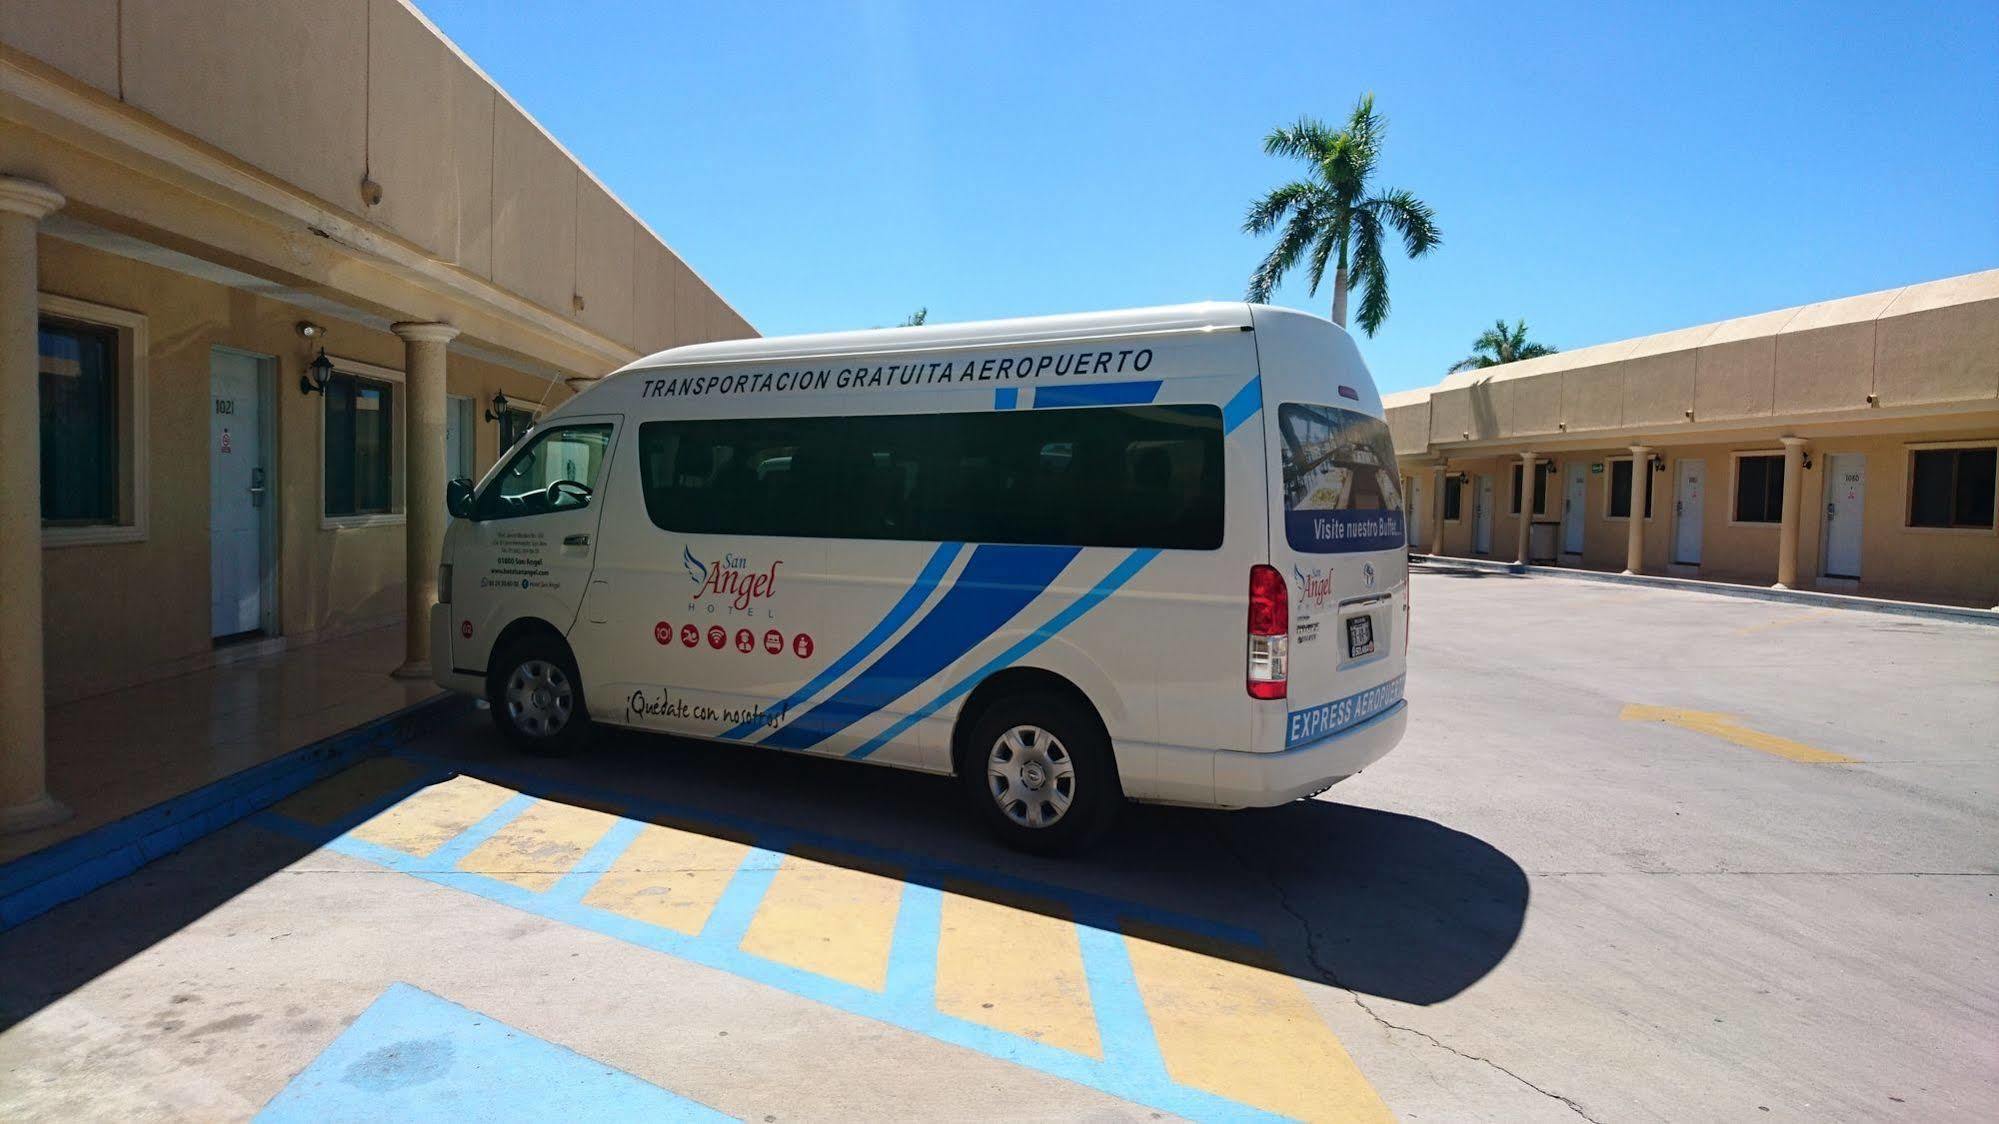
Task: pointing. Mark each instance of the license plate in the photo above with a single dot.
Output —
(1360, 636)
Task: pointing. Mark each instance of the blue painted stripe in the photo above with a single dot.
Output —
(1124, 1028)
(995, 585)
(912, 956)
(1244, 406)
(1097, 394)
(905, 606)
(1132, 564)
(575, 885)
(1124, 1071)
(414, 1056)
(1006, 397)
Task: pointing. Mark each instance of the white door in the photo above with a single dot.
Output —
(238, 491)
(1575, 496)
(1418, 518)
(1687, 512)
(458, 438)
(1846, 492)
(1482, 517)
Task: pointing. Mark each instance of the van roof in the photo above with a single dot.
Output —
(1219, 315)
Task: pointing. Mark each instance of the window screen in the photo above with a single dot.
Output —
(1759, 489)
(1142, 476)
(79, 411)
(1453, 498)
(1542, 470)
(1952, 487)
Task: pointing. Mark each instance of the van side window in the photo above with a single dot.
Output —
(570, 455)
(1341, 489)
(1143, 476)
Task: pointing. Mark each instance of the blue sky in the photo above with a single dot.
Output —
(1601, 170)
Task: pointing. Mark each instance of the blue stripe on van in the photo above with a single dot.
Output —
(1006, 397)
(1132, 564)
(1244, 405)
(905, 606)
(996, 584)
(1097, 394)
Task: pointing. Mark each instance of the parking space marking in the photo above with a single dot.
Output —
(913, 942)
(669, 877)
(1247, 1033)
(832, 921)
(415, 1056)
(434, 816)
(1729, 728)
(540, 845)
(1019, 970)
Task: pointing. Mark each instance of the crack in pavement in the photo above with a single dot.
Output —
(1332, 979)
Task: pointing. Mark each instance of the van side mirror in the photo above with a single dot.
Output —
(458, 498)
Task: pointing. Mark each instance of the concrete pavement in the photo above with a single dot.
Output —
(1592, 882)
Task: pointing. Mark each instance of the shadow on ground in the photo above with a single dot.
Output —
(1377, 902)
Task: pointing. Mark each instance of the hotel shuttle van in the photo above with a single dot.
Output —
(1153, 555)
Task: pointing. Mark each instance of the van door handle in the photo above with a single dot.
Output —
(576, 540)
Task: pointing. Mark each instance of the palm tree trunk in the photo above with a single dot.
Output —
(1340, 296)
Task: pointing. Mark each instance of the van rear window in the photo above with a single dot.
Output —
(1342, 491)
(1140, 476)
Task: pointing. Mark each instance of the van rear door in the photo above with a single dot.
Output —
(1338, 537)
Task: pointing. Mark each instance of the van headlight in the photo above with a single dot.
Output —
(444, 583)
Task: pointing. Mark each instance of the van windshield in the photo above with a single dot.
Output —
(1341, 488)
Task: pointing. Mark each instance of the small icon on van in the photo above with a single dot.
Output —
(663, 632)
(773, 642)
(801, 646)
(746, 641)
(717, 636)
(689, 635)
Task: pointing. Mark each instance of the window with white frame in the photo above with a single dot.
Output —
(91, 401)
(360, 450)
(1953, 488)
(1759, 488)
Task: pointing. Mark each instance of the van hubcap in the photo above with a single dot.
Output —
(539, 698)
(1031, 776)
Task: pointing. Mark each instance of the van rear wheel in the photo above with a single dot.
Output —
(1040, 772)
(537, 699)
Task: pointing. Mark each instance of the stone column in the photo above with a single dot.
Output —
(1794, 502)
(24, 797)
(423, 484)
(1438, 476)
(1527, 463)
(1634, 532)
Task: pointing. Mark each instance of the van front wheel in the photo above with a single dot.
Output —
(538, 699)
(1041, 774)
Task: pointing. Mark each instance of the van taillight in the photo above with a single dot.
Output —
(1269, 633)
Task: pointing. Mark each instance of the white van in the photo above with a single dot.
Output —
(1074, 560)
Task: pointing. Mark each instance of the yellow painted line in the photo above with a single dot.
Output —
(1015, 969)
(540, 846)
(1230, 1025)
(1729, 728)
(346, 792)
(1780, 622)
(431, 818)
(669, 877)
(834, 921)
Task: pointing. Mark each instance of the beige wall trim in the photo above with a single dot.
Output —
(232, 182)
(134, 422)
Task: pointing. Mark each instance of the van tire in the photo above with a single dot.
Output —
(1053, 746)
(537, 698)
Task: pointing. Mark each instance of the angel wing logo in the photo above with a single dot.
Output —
(696, 571)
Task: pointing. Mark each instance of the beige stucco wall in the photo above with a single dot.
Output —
(325, 96)
(124, 612)
(1955, 566)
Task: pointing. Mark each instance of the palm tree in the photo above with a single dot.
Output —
(1501, 344)
(1331, 216)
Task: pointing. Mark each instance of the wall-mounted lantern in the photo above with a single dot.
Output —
(316, 374)
(498, 412)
